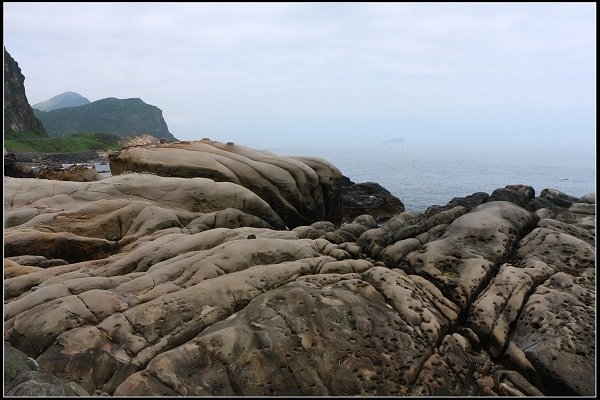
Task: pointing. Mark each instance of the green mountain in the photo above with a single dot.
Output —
(121, 117)
(19, 120)
(63, 100)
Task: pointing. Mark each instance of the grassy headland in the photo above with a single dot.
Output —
(30, 142)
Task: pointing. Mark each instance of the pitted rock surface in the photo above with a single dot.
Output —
(556, 332)
(468, 252)
(202, 291)
(301, 339)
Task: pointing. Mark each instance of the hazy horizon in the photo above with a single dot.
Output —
(286, 74)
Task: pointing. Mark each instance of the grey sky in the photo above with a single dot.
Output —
(300, 73)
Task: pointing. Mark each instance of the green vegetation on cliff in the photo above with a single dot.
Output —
(121, 117)
(29, 142)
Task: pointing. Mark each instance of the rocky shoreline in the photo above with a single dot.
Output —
(202, 268)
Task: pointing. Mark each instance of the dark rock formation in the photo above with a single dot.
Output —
(469, 202)
(22, 377)
(16, 169)
(552, 199)
(18, 115)
(369, 198)
(518, 194)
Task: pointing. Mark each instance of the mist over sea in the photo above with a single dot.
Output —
(423, 175)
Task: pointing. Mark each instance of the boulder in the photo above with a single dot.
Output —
(22, 377)
(518, 194)
(552, 199)
(39, 383)
(300, 190)
(469, 202)
(589, 198)
(77, 173)
(351, 232)
(374, 240)
(369, 198)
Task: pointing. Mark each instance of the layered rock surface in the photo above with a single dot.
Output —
(142, 285)
(300, 190)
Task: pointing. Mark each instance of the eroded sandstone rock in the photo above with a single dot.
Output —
(466, 255)
(556, 332)
(200, 295)
(300, 190)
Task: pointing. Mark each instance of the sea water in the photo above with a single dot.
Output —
(424, 175)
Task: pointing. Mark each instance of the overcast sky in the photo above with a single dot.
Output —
(273, 74)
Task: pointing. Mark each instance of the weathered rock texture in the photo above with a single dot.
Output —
(300, 190)
(142, 285)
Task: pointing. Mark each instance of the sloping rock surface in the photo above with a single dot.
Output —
(300, 190)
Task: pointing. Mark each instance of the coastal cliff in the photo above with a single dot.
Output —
(19, 120)
(121, 117)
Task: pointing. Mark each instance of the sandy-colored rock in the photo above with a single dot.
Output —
(395, 253)
(315, 230)
(300, 190)
(199, 294)
(12, 269)
(301, 339)
(553, 246)
(99, 199)
(556, 332)
(351, 232)
(466, 255)
(556, 248)
(495, 310)
(374, 240)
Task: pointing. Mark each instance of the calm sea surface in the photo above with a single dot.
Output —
(424, 175)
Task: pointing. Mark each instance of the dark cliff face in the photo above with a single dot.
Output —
(18, 115)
